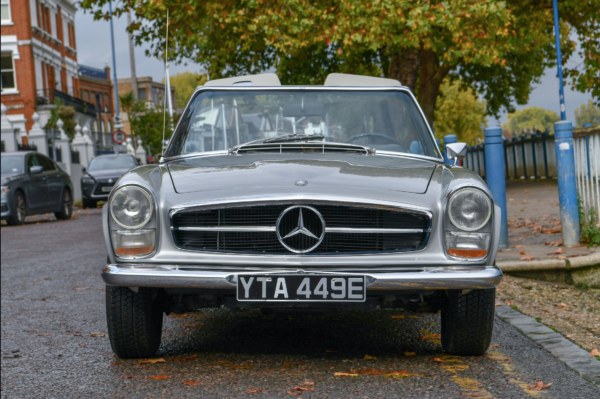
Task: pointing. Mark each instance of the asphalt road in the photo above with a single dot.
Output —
(55, 344)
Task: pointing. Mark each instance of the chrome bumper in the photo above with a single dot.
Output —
(428, 278)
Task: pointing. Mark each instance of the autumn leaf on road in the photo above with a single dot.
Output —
(291, 364)
(539, 386)
(523, 253)
(152, 361)
(191, 383)
(559, 251)
(253, 391)
(527, 258)
(159, 377)
(383, 372)
(240, 367)
(192, 325)
(99, 335)
(431, 336)
(563, 305)
(178, 316)
(224, 362)
(345, 375)
(410, 353)
(437, 359)
(367, 357)
(306, 386)
(182, 358)
(595, 352)
(397, 317)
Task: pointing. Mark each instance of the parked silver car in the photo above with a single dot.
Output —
(101, 175)
(301, 197)
(33, 184)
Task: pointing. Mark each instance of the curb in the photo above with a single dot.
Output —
(549, 264)
(560, 347)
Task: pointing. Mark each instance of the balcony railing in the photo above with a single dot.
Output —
(47, 96)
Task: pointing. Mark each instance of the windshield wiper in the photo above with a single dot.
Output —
(293, 137)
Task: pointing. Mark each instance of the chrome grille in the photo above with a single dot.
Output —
(349, 229)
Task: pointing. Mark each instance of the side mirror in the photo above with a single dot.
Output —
(36, 169)
(83, 169)
(456, 151)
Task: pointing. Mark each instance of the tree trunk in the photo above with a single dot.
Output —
(404, 66)
(431, 75)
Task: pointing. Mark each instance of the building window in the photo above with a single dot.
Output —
(6, 11)
(8, 72)
(142, 94)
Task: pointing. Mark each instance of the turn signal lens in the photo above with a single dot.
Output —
(133, 243)
(467, 245)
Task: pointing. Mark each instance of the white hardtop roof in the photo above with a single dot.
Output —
(333, 79)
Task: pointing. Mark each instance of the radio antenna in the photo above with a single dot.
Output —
(166, 86)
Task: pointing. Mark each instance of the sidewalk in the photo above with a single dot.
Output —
(534, 222)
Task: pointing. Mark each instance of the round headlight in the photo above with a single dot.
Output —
(469, 209)
(131, 207)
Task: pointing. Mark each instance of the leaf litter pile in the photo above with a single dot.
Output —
(573, 312)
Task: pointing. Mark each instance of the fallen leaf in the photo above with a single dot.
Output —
(99, 335)
(182, 358)
(115, 364)
(556, 230)
(510, 199)
(81, 288)
(523, 253)
(152, 361)
(518, 246)
(561, 257)
(291, 364)
(563, 305)
(303, 389)
(294, 393)
(539, 386)
(524, 201)
(496, 346)
(508, 303)
(397, 317)
(431, 336)
(594, 352)
(367, 357)
(558, 251)
(470, 395)
(240, 367)
(498, 304)
(437, 359)
(253, 391)
(410, 353)
(527, 258)
(573, 256)
(159, 377)
(191, 383)
(570, 336)
(224, 362)
(179, 316)
(345, 375)
(191, 325)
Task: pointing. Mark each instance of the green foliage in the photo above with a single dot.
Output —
(459, 112)
(530, 118)
(500, 48)
(127, 101)
(589, 231)
(185, 83)
(585, 115)
(147, 124)
(66, 113)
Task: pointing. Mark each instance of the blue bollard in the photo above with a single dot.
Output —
(496, 180)
(449, 139)
(567, 188)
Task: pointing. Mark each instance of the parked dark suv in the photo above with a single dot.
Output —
(32, 184)
(101, 175)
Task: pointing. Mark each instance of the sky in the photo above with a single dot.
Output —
(94, 50)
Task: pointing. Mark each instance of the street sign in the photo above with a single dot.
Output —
(118, 119)
(118, 137)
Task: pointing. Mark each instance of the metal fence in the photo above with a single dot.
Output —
(75, 157)
(587, 168)
(26, 147)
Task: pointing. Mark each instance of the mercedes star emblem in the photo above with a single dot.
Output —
(301, 183)
(300, 228)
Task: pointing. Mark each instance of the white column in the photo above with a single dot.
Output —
(80, 145)
(8, 132)
(65, 147)
(140, 152)
(129, 146)
(91, 150)
(37, 135)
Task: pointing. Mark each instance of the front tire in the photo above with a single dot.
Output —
(134, 321)
(18, 211)
(468, 322)
(66, 206)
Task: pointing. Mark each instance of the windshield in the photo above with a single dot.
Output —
(104, 163)
(383, 120)
(12, 165)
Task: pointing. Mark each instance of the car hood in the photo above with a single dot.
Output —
(222, 172)
(107, 173)
(7, 177)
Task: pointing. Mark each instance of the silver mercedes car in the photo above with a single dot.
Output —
(301, 197)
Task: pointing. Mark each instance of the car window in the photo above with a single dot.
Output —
(383, 120)
(112, 162)
(32, 161)
(12, 164)
(45, 162)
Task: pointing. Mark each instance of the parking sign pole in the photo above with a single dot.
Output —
(116, 92)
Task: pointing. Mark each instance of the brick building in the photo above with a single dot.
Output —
(39, 60)
(96, 87)
(148, 91)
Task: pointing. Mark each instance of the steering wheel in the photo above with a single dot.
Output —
(379, 135)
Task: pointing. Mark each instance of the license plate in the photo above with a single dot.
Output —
(301, 288)
(107, 189)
